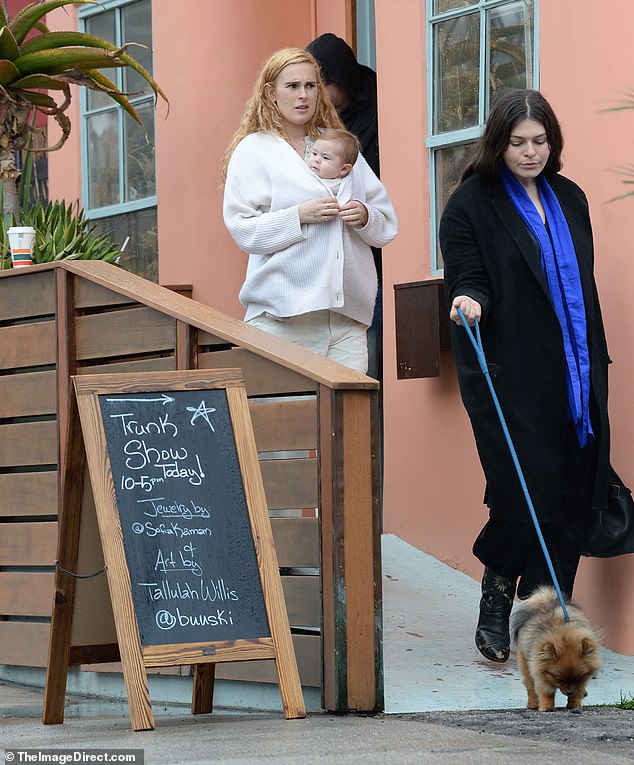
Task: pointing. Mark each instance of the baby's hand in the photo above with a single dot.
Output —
(319, 210)
(354, 213)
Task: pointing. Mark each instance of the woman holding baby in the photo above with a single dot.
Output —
(310, 277)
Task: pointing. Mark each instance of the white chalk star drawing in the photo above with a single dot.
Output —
(202, 410)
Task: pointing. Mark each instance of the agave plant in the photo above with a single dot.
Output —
(61, 231)
(626, 170)
(32, 60)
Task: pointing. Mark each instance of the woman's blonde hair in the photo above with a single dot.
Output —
(261, 113)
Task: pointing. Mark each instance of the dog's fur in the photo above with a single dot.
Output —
(552, 653)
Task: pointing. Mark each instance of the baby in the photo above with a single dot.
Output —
(332, 156)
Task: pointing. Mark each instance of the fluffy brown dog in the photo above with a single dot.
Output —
(552, 653)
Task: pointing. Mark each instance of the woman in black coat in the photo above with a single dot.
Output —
(517, 244)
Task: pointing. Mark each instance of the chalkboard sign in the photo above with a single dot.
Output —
(184, 517)
(183, 523)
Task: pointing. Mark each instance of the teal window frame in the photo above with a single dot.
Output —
(366, 36)
(84, 13)
(436, 140)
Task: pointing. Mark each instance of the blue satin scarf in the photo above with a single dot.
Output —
(559, 262)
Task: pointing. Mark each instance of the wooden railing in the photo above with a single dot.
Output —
(316, 429)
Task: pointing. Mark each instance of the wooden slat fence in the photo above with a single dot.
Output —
(315, 427)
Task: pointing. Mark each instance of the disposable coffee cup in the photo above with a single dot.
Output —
(21, 241)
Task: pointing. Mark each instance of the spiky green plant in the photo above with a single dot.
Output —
(32, 60)
(61, 231)
(626, 170)
(626, 702)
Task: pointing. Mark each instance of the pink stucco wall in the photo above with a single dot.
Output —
(586, 63)
(64, 166)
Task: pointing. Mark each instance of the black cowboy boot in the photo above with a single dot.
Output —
(492, 633)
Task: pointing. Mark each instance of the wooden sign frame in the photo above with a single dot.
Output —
(86, 444)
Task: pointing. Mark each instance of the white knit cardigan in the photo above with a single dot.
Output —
(295, 268)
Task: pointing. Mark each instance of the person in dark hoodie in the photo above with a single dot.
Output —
(351, 87)
(352, 90)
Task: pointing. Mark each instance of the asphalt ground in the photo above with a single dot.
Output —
(602, 734)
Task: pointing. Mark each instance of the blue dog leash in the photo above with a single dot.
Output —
(476, 342)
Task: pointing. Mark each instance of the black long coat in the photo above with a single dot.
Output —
(491, 256)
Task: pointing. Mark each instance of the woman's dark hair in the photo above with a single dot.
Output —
(510, 108)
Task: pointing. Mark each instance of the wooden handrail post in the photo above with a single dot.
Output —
(66, 355)
(350, 544)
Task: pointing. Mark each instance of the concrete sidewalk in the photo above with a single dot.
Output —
(601, 734)
(431, 662)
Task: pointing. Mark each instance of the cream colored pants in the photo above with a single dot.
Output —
(326, 332)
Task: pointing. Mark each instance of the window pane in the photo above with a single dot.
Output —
(102, 136)
(510, 50)
(457, 73)
(141, 253)
(450, 163)
(136, 26)
(119, 152)
(440, 6)
(139, 154)
(103, 26)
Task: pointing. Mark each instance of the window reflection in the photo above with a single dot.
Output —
(135, 28)
(509, 49)
(139, 155)
(103, 26)
(140, 228)
(440, 6)
(102, 134)
(458, 73)
(450, 163)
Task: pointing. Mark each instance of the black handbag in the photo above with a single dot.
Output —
(613, 533)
